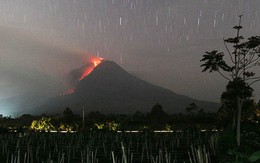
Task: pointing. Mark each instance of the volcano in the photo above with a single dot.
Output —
(111, 89)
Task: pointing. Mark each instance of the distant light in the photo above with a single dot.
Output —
(134, 131)
(163, 131)
(67, 132)
(157, 131)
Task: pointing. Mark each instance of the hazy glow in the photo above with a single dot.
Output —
(68, 91)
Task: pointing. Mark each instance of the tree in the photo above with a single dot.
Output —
(158, 114)
(234, 89)
(257, 113)
(94, 117)
(157, 117)
(243, 59)
(26, 119)
(192, 107)
(138, 116)
(68, 116)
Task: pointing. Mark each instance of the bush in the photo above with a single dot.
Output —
(227, 141)
(250, 143)
(3, 130)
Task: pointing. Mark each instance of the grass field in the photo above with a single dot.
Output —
(109, 147)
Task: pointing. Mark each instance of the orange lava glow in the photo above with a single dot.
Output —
(90, 64)
(94, 62)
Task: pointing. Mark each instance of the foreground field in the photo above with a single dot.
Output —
(106, 147)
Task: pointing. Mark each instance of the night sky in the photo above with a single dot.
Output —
(160, 41)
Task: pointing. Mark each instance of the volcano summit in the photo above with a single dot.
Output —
(110, 89)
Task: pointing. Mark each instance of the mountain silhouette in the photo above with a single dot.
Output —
(111, 89)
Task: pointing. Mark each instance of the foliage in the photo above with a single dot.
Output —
(226, 141)
(157, 113)
(95, 117)
(127, 122)
(100, 126)
(254, 157)
(3, 130)
(157, 118)
(251, 137)
(214, 62)
(245, 56)
(200, 154)
(240, 157)
(236, 88)
(112, 126)
(26, 119)
(68, 116)
(250, 142)
(168, 127)
(256, 118)
(98, 146)
(239, 72)
(68, 127)
(43, 124)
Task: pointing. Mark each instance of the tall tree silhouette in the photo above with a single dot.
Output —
(157, 117)
(244, 57)
(68, 115)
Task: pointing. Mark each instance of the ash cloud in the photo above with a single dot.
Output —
(33, 63)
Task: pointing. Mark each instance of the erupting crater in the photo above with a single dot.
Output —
(94, 62)
(83, 72)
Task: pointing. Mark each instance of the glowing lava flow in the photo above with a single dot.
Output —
(90, 67)
(92, 63)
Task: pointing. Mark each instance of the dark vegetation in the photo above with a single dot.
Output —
(156, 119)
(239, 114)
(190, 136)
(30, 138)
(107, 146)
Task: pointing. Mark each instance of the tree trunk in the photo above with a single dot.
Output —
(234, 121)
(239, 110)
